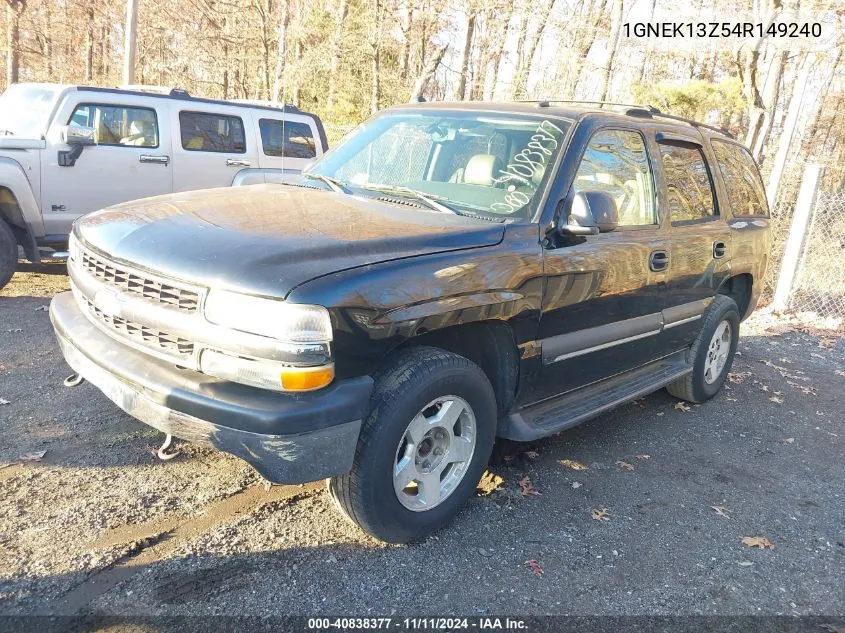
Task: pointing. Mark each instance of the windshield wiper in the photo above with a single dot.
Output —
(430, 201)
(334, 185)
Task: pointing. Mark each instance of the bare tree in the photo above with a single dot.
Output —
(341, 14)
(14, 8)
(520, 84)
(428, 71)
(462, 83)
(612, 45)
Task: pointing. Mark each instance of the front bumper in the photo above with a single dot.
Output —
(286, 438)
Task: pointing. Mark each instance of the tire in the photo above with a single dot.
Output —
(699, 385)
(406, 389)
(8, 254)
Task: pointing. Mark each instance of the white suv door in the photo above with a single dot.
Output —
(131, 159)
(289, 143)
(210, 145)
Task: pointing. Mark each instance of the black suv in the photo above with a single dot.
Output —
(449, 274)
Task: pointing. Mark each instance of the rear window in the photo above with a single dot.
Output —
(746, 193)
(206, 132)
(288, 139)
(689, 188)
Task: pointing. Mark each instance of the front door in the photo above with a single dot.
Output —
(602, 300)
(131, 160)
(700, 240)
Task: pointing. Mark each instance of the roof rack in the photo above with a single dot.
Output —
(159, 90)
(637, 110)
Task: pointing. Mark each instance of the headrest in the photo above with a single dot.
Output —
(481, 169)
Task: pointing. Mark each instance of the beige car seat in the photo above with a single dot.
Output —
(481, 169)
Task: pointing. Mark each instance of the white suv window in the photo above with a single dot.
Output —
(118, 125)
(207, 132)
(288, 139)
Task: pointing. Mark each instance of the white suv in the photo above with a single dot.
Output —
(68, 150)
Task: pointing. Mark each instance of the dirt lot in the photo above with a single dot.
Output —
(98, 524)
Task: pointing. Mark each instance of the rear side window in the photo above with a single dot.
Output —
(616, 163)
(287, 139)
(746, 193)
(206, 132)
(689, 188)
(118, 125)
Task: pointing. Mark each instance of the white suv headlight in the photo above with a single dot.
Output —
(280, 320)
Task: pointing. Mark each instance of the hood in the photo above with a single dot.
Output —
(268, 239)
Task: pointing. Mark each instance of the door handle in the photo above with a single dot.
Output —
(658, 260)
(237, 163)
(719, 249)
(150, 158)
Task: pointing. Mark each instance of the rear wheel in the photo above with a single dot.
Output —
(711, 354)
(8, 253)
(423, 447)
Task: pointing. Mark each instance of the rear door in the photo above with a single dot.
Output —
(211, 145)
(602, 300)
(287, 142)
(131, 159)
(699, 238)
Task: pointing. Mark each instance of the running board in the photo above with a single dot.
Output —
(561, 413)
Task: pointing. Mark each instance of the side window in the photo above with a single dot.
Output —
(616, 163)
(689, 188)
(746, 193)
(118, 125)
(206, 132)
(289, 139)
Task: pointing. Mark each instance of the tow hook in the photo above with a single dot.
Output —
(74, 380)
(162, 454)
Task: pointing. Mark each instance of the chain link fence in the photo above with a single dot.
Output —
(819, 283)
(334, 133)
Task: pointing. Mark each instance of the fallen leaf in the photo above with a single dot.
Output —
(532, 455)
(534, 566)
(15, 331)
(642, 456)
(745, 563)
(788, 440)
(577, 484)
(572, 464)
(757, 541)
(624, 465)
(489, 483)
(527, 488)
(600, 515)
(32, 457)
(840, 372)
(737, 377)
(827, 343)
(680, 405)
(659, 413)
(4, 401)
(776, 400)
(832, 628)
(42, 308)
(731, 399)
(722, 511)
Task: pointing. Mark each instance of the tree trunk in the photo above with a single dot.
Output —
(427, 74)
(747, 62)
(771, 92)
(281, 38)
(500, 47)
(612, 45)
(375, 55)
(520, 86)
(462, 84)
(89, 44)
(337, 45)
(14, 8)
(405, 52)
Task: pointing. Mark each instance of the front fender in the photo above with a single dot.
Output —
(18, 206)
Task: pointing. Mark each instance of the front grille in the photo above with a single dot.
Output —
(157, 291)
(146, 336)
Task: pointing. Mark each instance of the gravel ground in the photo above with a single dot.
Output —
(96, 524)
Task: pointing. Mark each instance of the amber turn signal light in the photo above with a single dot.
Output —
(306, 379)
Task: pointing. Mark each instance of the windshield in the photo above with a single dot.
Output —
(476, 163)
(25, 109)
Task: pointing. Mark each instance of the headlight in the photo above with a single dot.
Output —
(283, 321)
(73, 248)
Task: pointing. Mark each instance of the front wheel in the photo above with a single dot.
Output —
(8, 254)
(423, 447)
(711, 354)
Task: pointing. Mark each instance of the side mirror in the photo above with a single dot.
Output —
(591, 213)
(78, 135)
